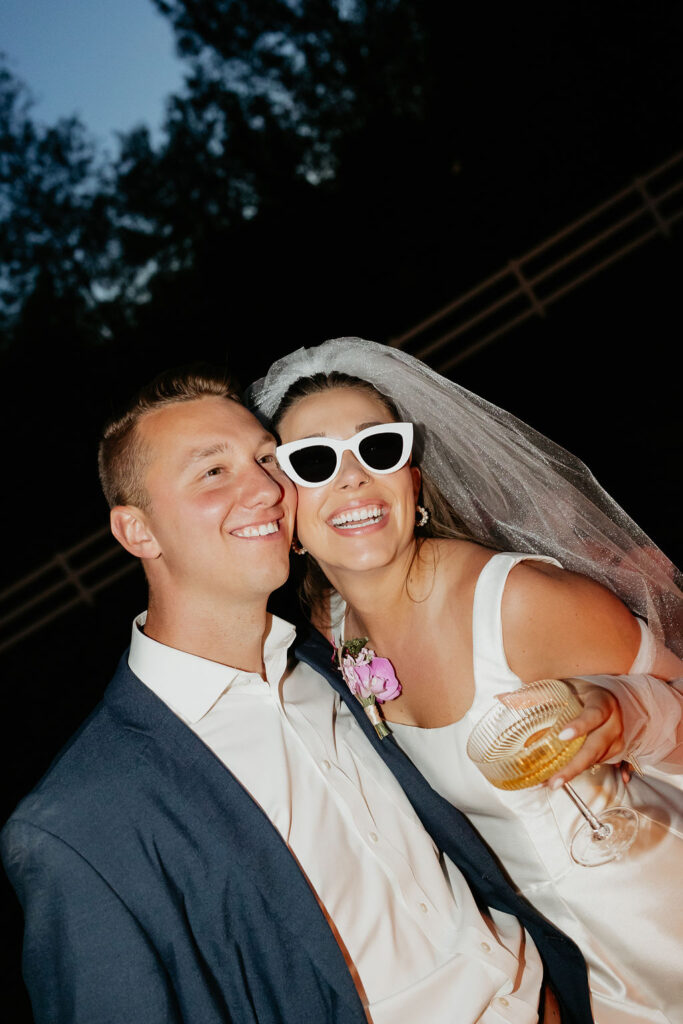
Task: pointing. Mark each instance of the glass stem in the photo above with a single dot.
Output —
(601, 830)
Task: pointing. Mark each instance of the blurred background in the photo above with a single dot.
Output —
(497, 189)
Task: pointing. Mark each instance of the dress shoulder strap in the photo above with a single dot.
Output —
(647, 652)
(490, 660)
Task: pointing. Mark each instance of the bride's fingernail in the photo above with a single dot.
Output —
(567, 734)
(556, 783)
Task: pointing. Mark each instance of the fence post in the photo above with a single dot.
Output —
(652, 206)
(74, 578)
(527, 288)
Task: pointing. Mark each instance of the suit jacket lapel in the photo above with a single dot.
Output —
(234, 824)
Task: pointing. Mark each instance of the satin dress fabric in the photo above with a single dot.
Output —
(627, 915)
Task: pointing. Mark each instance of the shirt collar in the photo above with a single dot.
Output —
(191, 685)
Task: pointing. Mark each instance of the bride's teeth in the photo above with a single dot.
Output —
(362, 515)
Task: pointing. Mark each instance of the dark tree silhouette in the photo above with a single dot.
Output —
(386, 153)
(57, 253)
(360, 162)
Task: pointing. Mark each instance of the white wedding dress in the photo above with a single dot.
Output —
(626, 916)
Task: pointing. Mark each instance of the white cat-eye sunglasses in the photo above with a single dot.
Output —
(314, 461)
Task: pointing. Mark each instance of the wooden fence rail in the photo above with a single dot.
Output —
(529, 285)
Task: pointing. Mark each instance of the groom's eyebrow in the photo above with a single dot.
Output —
(197, 454)
(217, 448)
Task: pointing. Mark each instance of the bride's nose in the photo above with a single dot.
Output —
(351, 472)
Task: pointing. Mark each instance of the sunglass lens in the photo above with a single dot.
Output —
(381, 451)
(315, 463)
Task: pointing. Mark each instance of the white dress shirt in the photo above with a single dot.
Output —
(404, 913)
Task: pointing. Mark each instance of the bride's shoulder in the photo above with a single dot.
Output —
(532, 579)
(562, 623)
(543, 589)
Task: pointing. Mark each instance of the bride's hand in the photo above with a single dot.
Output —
(601, 723)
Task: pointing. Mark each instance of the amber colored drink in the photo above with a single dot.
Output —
(516, 744)
(533, 759)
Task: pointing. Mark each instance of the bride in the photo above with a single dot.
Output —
(478, 556)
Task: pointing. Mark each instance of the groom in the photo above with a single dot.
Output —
(220, 842)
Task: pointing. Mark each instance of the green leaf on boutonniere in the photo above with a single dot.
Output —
(354, 646)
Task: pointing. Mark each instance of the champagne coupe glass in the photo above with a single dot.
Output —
(516, 745)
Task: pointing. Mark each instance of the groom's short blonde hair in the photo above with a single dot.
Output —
(122, 457)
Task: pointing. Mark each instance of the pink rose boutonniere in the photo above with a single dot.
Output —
(369, 678)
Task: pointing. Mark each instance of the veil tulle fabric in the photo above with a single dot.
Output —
(513, 488)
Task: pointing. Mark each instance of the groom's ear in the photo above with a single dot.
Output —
(131, 527)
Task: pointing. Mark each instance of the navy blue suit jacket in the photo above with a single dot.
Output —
(156, 891)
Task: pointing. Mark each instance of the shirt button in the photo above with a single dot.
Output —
(423, 907)
(326, 765)
(485, 946)
(374, 837)
(502, 1001)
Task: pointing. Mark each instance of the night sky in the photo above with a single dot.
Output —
(112, 62)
